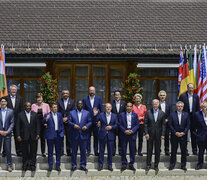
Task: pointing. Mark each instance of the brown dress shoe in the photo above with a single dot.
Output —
(9, 169)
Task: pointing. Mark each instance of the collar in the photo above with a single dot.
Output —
(4, 109)
(179, 112)
(80, 111)
(155, 111)
(190, 94)
(162, 102)
(12, 96)
(54, 114)
(117, 102)
(66, 100)
(204, 115)
(27, 112)
(108, 114)
(128, 114)
(91, 98)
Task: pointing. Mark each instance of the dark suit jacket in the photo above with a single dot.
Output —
(174, 122)
(196, 103)
(9, 123)
(50, 130)
(102, 129)
(97, 104)
(123, 125)
(27, 130)
(61, 107)
(201, 128)
(122, 107)
(18, 105)
(85, 121)
(154, 129)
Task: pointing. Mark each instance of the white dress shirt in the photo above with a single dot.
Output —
(179, 117)
(117, 105)
(79, 115)
(129, 120)
(162, 105)
(66, 103)
(3, 113)
(205, 118)
(108, 118)
(55, 120)
(13, 100)
(92, 100)
(155, 114)
(28, 116)
(190, 99)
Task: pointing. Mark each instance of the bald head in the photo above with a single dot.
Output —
(155, 104)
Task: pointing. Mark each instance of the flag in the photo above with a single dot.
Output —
(204, 85)
(185, 75)
(195, 67)
(3, 85)
(180, 70)
(200, 76)
(191, 70)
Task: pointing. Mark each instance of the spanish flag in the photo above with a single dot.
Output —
(3, 85)
(185, 75)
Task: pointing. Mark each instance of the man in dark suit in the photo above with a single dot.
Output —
(118, 106)
(28, 133)
(179, 123)
(191, 105)
(154, 124)
(54, 135)
(65, 105)
(166, 108)
(201, 127)
(80, 122)
(128, 124)
(107, 123)
(89, 103)
(6, 127)
(15, 102)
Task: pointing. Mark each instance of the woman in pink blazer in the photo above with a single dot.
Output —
(41, 109)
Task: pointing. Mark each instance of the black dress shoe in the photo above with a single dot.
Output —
(24, 168)
(167, 154)
(140, 154)
(69, 154)
(110, 168)
(183, 168)
(96, 154)
(50, 169)
(100, 168)
(114, 154)
(3, 154)
(171, 168)
(83, 168)
(32, 168)
(132, 168)
(58, 169)
(120, 153)
(147, 168)
(73, 168)
(156, 168)
(199, 166)
(88, 154)
(43, 155)
(19, 154)
(195, 153)
(123, 168)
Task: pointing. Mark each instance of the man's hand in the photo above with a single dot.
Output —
(76, 127)
(19, 139)
(4, 133)
(98, 124)
(84, 128)
(95, 111)
(166, 120)
(178, 134)
(162, 137)
(127, 132)
(65, 119)
(108, 128)
(147, 137)
(37, 137)
(182, 134)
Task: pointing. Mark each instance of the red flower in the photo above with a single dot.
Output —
(46, 81)
(40, 79)
(43, 84)
(131, 90)
(132, 100)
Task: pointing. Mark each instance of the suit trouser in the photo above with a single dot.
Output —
(29, 152)
(57, 142)
(7, 147)
(42, 138)
(18, 147)
(132, 144)
(110, 145)
(174, 147)
(156, 142)
(118, 133)
(202, 146)
(93, 129)
(140, 137)
(82, 144)
(192, 134)
(68, 140)
(167, 139)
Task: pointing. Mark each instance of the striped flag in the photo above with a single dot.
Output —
(204, 86)
(3, 85)
(199, 70)
(191, 70)
(185, 75)
(195, 67)
(180, 70)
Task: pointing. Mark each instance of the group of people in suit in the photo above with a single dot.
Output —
(77, 121)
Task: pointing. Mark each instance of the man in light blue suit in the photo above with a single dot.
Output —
(128, 124)
(107, 123)
(90, 103)
(6, 127)
(54, 135)
(80, 122)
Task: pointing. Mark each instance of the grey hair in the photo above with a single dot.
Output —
(138, 95)
(13, 85)
(179, 102)
(162, 91)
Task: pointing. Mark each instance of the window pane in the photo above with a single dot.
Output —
(114, 72)
(99, 71)
(24, 71)
(115, 84)
(66, 72)
(63, 84)
(158, 72)
(149, 92)
(31, 88)
(81, 88)
(171, 88)
(82, 71)
(100, 86)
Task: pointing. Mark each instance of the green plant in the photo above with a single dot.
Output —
(131, 87)
(48, 87)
